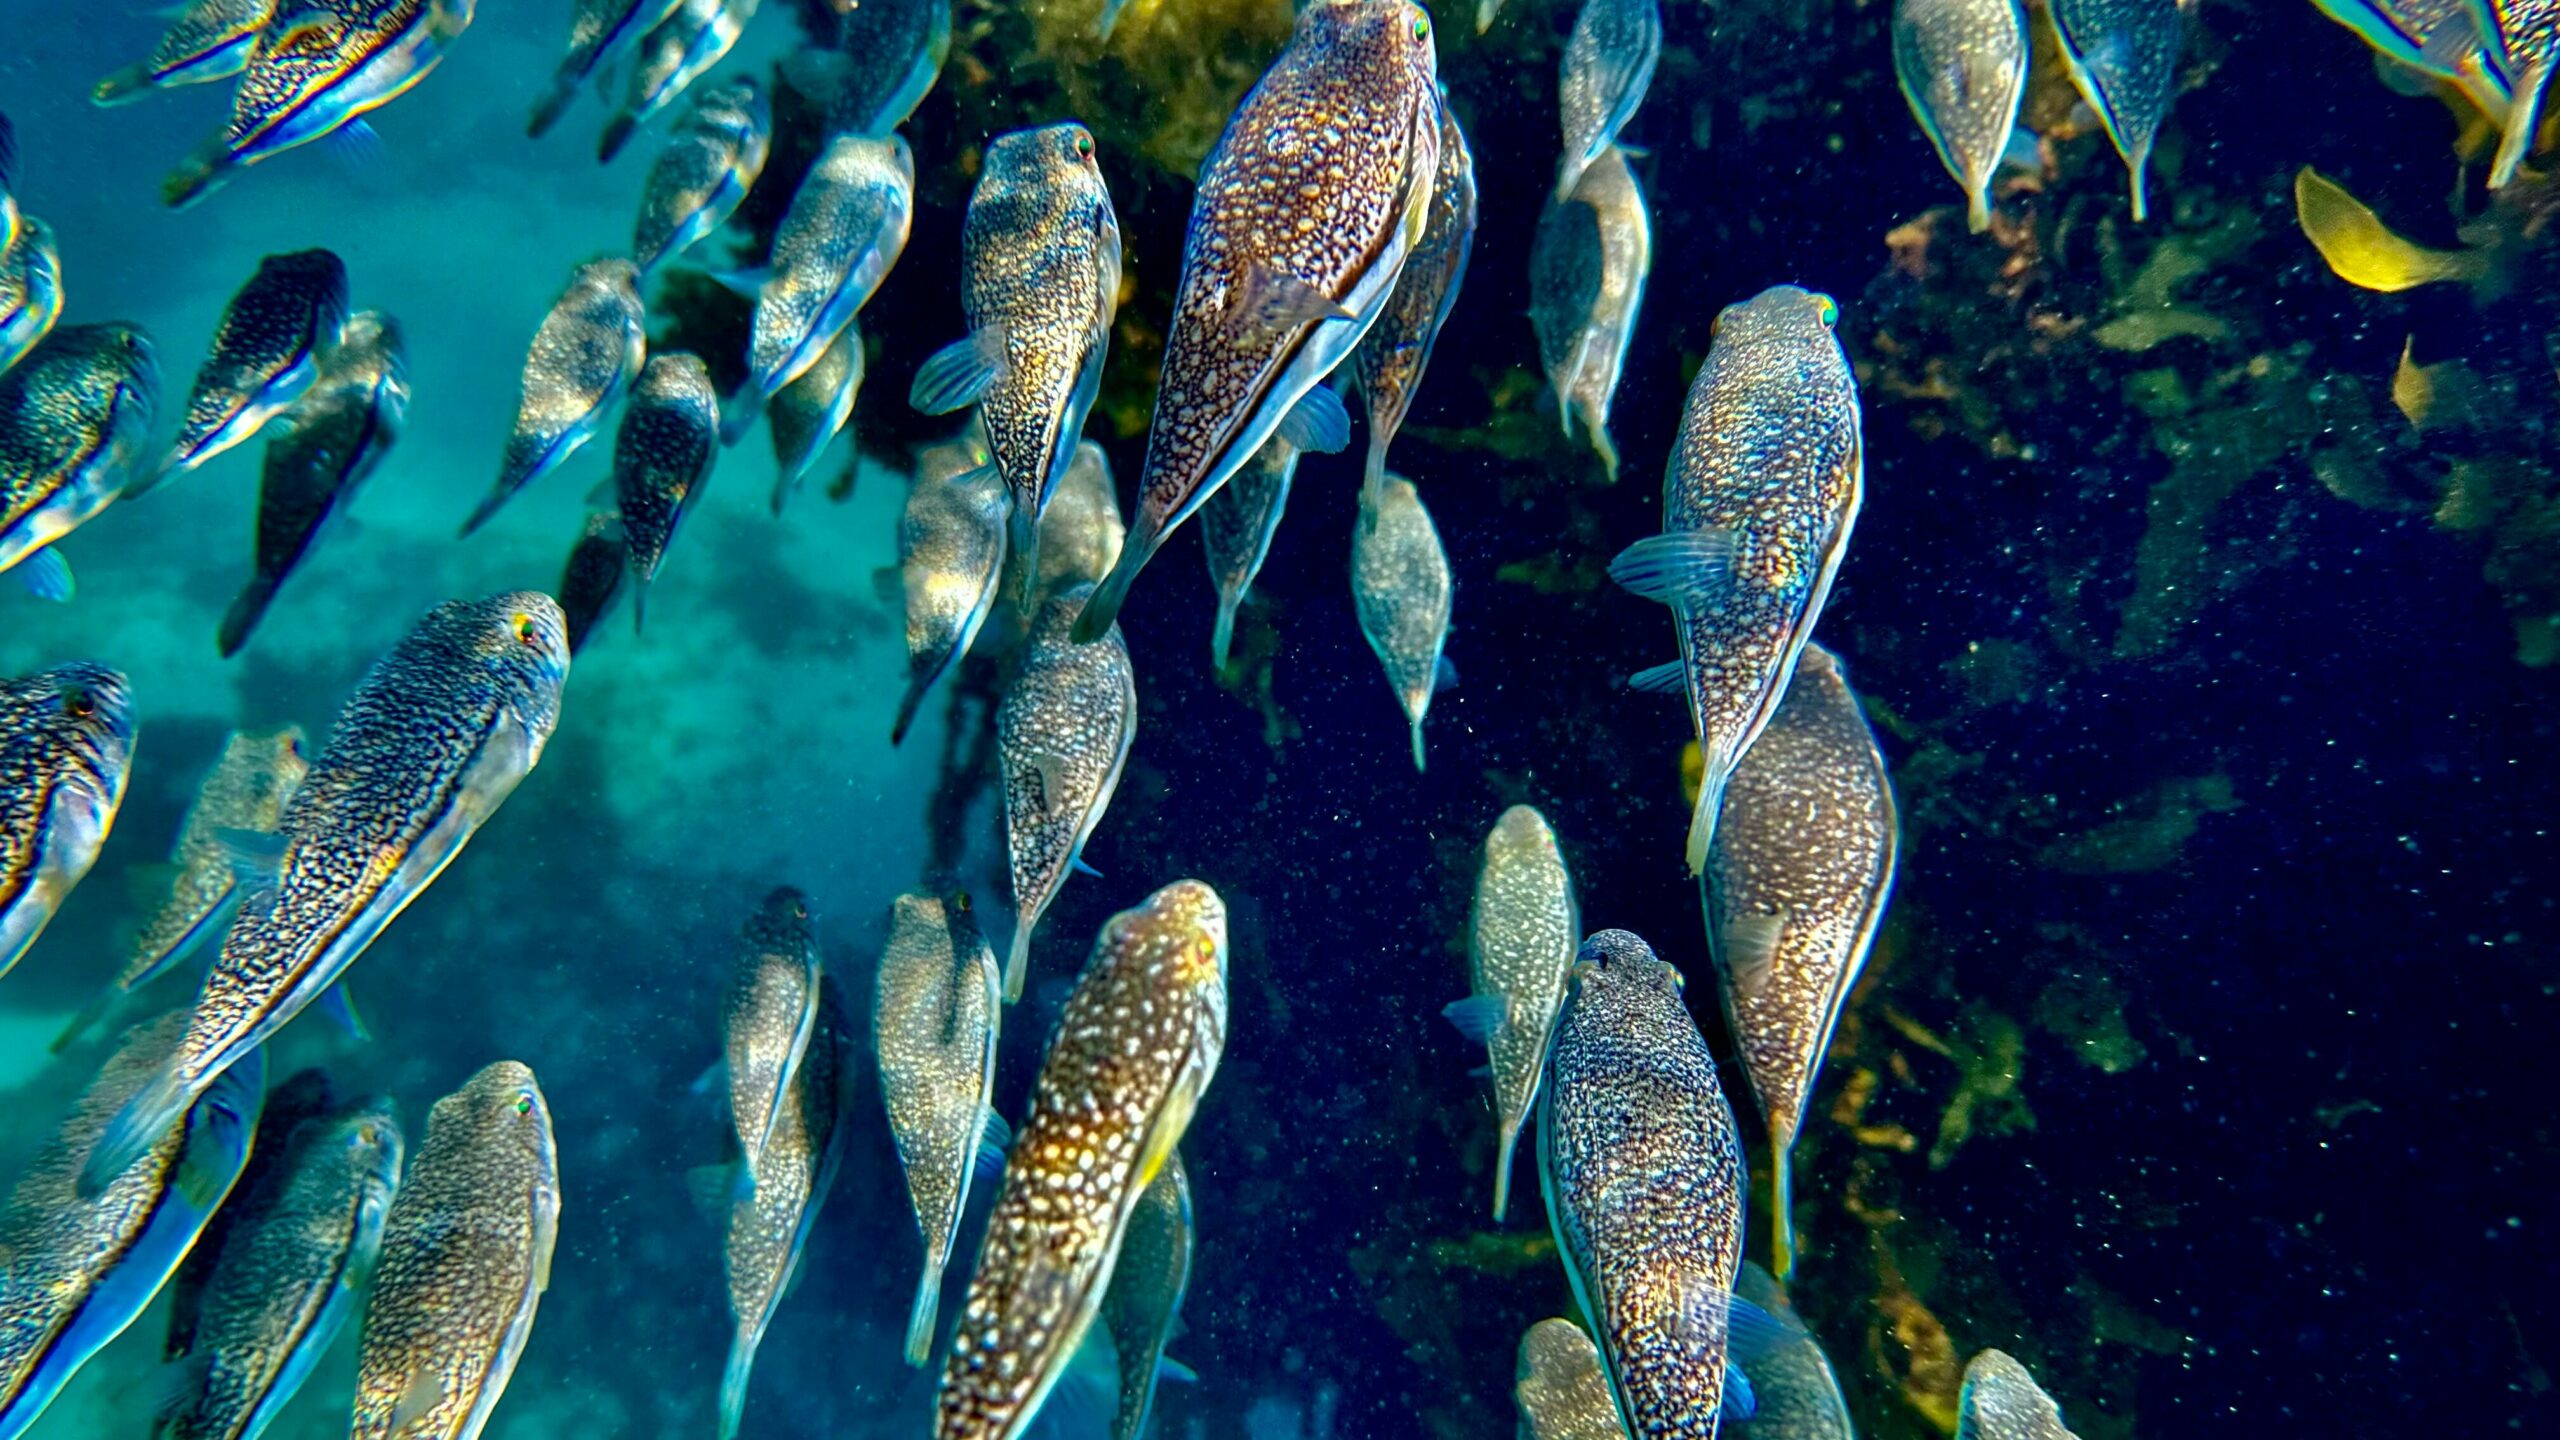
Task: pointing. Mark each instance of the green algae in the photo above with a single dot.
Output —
(2149, 832)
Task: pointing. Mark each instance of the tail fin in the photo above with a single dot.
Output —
(1373, 481)
(1702, 820)
(1024, 538)
(920, 1319)
(907, 707)
(1417, 745)
(244, 614)
(1509, 1141)
(1102, 607)
(89, 1015)
(1224, 635)
(548, 109)
(1018, 963)
(161, 1103)
(2524, 117)
(482, 513)
(733, 1384)
(123, 87)
(617, 133)
(1782, 1223)
(196, 176)
(738, 415)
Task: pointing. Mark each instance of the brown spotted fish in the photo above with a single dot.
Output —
(951, 551)
(1145, 1299)
(662, 458)
(598, 568)
(2001, 1401)
(806, 415)
(66, 750)
(709, 164)
(332, 441)
(78, 411)
(1390, 362)
(30, 290)
(267, 351)
(1316, 193)
(1757, 506)
(846, 226)
(245, 792)
(291, 1267)
(316, 69)
(584, 356)
(1795, 887)
(1039, 283)
(1963, 67)
(1559, 1388)
(1587, 268)
(83, 1267)
(599, 32)
(206, 40)
(769, 1222)
(436, 736)
(1081, 532)
(1400, 583)
(1607, 66)
(1794, 1394)
(767, 1018)
(1135, 1048)
(1062, 736)
(465, 1258)
(1521, 937)
(694, 36)
(1236, 527)
(938, 1007)
(2123, 58)
(1642, 1169)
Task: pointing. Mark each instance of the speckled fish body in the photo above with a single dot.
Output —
(30, 291)
(2526, 48)
(1963, 67)
(846, 227)
(434, 739)
(1039, 283)
(274, 336)
(83, 1267)
(1316, 193)
(1607, 66)
(1147, 1286)
(768, 1224)
(877, 66)
(1559, 1388)
(938, 1008)
(246, 791)
(680, 49)
(709, 164)
(336, 437)
(65, 757)
(950, 552)
(465, 1258)
(599, 566)
(208, 40)
(317, 67)
(807, 414)
(1391, 361)
(1081, 532)
(1762, 491)
(1587, 270)
(584, 356)
(1400, 585)
(66, 749)
(1236, 527)
(1642, 1170)
(2123, 59)
(1062, 738)
(74, 416)
(768, 1015)
(662, 459)
(1135, 1047)
(2445, 38)
(306, 1094)
(1521, 936)
(599, 31)
(1796, 885)
(289, 1274)
(1794, 1392)
(2001, 1401)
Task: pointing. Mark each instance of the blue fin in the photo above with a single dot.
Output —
(1671, 677)
(341, 1007)
(1444, 675)
(709, 1081)
(256, 856)
(1739, 1403)
(1078, 865)
(1477, 1017)
(1318, 423)
(1686, 567)
(47, 576)
(1168, 1368)
(994, 1138)
(960, 372)
(714, 1188)
(2021, 153)
(747, 282)
(1270, 301)
(1752, 1334)
(357, 146)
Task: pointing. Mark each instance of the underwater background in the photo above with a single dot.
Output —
(2198, 1064)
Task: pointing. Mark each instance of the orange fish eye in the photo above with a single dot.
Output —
(527, 634)
(78, 703)
(1825, 307)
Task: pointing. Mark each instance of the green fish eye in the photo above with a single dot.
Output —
(524, 1104)
(1827, 309)
(1421, 28)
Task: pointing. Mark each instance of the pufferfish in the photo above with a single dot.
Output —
(1316, 193)
(1135, 1048)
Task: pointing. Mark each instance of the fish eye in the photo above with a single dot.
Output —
(1421, 28)
(1829, 311)
(524, 1102)
(1084, 146)
(527, 633)
(799, 910)
(78, 703)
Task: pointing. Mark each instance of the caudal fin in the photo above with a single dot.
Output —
(733, 1385)
(920, 1319)
(135, 1129)
(1782, 1220)
(1509, 1141)
(1017, 964)
(244, 614)
(554, 101)
(123, 87)
(1702, 820)
(1102, 607)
